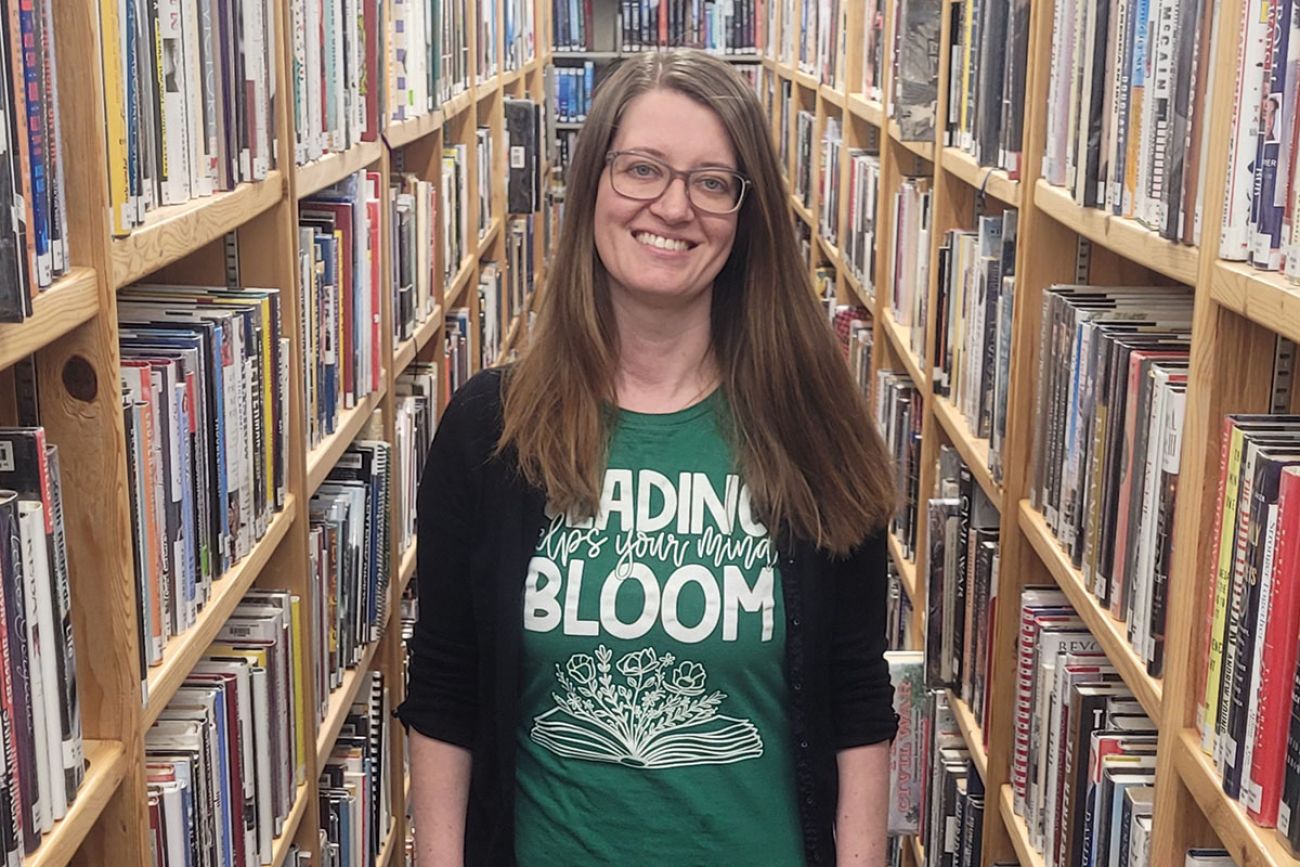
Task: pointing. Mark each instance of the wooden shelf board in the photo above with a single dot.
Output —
(831, 95)
(897, 335)
(456, 106)
(339, 701)
(280, 846)
(322, 459)
(1127, 238)
(486, 87)
(866, 109)
(906, 569)
(806, 80)
(994, 182)
(182, 651)
(511, 336)
(804, 213)
(406, 351)
(400, 133)
(831, 251)
(922, 149)
(172, 233)
(1249, 844)
(106, 766)
(334, 167)
(70, 301)
(918, 851)
(1108, 631)
(971, 733)
(406, 569)
(488, 238)
(1017, 830)
(510, 76)
(389, 847)
(1265, 297)
(973, 450)
(859, 290)
(457, 287)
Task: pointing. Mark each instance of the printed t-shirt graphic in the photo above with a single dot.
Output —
(654, 726)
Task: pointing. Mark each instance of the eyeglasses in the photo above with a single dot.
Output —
(640, 176)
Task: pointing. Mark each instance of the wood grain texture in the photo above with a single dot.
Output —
(901, 346)
(340, 700)
(974, 450)
(1109, 632)
(1247, 843)
(867, 109)
(994, 182)
(921, 149)
(281, 845)
(970, 732)
(322, 459)
(1265, 297)
(171, 232)
(332, 168)
(906, 569)
(406, 351)
(183, 651)
(72, 300)
(1128, 238)
(106, 763)
(1025, 851)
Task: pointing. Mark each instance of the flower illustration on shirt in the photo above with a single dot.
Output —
(660, 715)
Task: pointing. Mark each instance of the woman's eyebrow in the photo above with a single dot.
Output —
(655, 152)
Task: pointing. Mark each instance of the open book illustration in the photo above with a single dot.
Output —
(654, 713)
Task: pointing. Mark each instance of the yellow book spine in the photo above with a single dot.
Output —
(119, 193)
(299, 689)
(1222, 589)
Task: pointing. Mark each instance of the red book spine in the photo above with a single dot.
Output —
(1268, 761)
(1207, 628)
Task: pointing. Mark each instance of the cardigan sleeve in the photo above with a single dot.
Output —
(863, 696)
(442, 696)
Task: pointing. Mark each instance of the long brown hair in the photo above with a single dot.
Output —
(800, 429)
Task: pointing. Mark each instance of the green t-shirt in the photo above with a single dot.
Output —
(654, 726)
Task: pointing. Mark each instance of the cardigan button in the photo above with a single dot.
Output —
(794, 621)
(803, 745)
(797, 685)
(808, 800)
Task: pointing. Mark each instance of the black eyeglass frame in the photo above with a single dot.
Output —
(674, 174)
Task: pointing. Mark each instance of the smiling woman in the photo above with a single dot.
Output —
(652, 553)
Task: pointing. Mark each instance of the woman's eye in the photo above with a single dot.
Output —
(643, 170)
(712, 184)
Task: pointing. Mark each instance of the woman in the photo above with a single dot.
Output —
(616, 661)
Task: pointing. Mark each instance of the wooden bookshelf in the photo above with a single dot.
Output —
(1267, 298)
(1024, 850)
(392, 845)
(182, 651)
(799, 208)
(867, 109)
(974, 450)
(406, 351)
(922, 149)
(902, 346)
(332, 168)
(71, 301)
(174, 232)
(105, 766)
(970, 732)
(281, 845)
(1128, 238)
(994, 182)
(1248, 843)
(340, 700)
(1109, 632)
(323, 457)
(406, 569)
(906, 568)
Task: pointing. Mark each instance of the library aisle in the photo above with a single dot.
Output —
(255, 245)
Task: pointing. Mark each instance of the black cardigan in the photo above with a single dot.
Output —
(478, 525)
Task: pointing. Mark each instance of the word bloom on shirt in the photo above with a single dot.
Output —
(672, 542)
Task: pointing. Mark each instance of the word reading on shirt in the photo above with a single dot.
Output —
(667, 549)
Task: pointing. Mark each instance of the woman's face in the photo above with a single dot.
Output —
(665, 251)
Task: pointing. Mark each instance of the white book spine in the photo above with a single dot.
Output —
(31, 522)
(171, 97)
(1234, 241)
